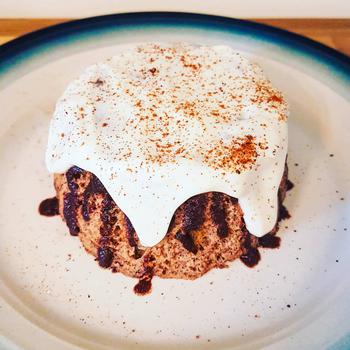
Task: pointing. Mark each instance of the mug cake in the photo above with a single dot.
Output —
(170, 160)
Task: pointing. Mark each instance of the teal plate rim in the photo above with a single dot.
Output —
(27, 43)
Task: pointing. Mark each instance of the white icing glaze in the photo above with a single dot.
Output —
(158, 124)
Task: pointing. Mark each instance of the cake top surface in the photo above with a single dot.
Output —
(159, 123)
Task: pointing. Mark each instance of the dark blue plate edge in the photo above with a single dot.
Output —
(320, 52)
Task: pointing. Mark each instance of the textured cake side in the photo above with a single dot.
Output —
(207, 231)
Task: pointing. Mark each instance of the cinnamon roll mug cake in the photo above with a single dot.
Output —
(170, 160)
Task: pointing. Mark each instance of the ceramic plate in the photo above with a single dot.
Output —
(54, 296)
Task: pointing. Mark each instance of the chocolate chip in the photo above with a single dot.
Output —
(187, 241)
(269, 241)
(218, 214)
(105, 257)
(49, 207)
(251, 257)
(143, 287)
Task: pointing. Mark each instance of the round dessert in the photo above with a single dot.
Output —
(170, 160)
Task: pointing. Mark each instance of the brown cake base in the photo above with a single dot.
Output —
(206, 232)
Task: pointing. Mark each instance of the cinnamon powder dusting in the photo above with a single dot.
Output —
(183, 99)
(267, 95)
(240, 155)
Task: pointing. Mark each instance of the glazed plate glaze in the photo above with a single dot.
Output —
(53, 295)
